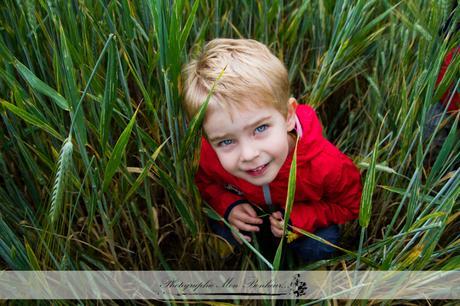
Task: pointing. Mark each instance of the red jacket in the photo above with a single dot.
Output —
(328, 189)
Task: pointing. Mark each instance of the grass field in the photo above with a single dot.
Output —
(97, 160)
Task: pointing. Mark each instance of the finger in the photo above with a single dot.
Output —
(235, 235)
(249, 210)
(277, 215)
(251, 220)
(246, 227)
(238, 239)
(247, 238)
(244, 215)
(277, 232)
(275, 222)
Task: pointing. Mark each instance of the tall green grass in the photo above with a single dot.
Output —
(97, 159)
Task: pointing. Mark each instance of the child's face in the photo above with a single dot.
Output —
(252, 143)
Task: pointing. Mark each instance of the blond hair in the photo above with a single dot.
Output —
(252, 74)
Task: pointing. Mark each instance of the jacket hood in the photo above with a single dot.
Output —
(312, 141)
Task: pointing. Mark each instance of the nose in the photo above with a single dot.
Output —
(249, 152)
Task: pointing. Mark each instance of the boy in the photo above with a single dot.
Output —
(250, 129)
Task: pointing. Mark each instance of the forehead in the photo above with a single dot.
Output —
(240, 103)
(233, 113)
(222, 121)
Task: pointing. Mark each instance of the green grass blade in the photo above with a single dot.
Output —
(109, 95)
(33, 261)
(404, 192)
(29, 118)
(179, 203)
(117, 153)
(452, 264)
(145, 171)
(433, 216)
(41, 87)
(193, 130)
(214, 215)
(12, 250)
(446, 149)
(365, 209)
(450, 76)
(90, 79)
(288, 207)
(188, 25)
(72, 91)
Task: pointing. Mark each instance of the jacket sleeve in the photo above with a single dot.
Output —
(340, 182)
(209, 183)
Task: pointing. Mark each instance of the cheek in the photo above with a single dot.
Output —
(227, 160)
(280, 146)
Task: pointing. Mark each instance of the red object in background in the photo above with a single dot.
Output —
(328, 184)
(455, 104)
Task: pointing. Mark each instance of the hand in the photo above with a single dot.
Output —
(244, 218)
(276, 224)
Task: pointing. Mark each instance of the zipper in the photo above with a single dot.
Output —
(268, 197)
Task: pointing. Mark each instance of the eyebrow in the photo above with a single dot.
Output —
(252, 124)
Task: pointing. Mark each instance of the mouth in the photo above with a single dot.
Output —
(259, 171)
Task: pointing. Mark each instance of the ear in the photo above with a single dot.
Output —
(290, 119)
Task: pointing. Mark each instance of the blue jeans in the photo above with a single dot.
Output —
(307, 249)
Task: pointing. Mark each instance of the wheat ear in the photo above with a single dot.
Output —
(64, 161)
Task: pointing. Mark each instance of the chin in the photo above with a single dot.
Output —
(259, 182)
(256, 183)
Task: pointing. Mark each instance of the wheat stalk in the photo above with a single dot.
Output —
(64, 161)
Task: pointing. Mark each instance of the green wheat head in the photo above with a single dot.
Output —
(63, 166)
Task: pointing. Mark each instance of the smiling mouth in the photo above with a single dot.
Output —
(258, 171)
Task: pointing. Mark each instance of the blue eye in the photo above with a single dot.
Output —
(225, 142)
(261, 128)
